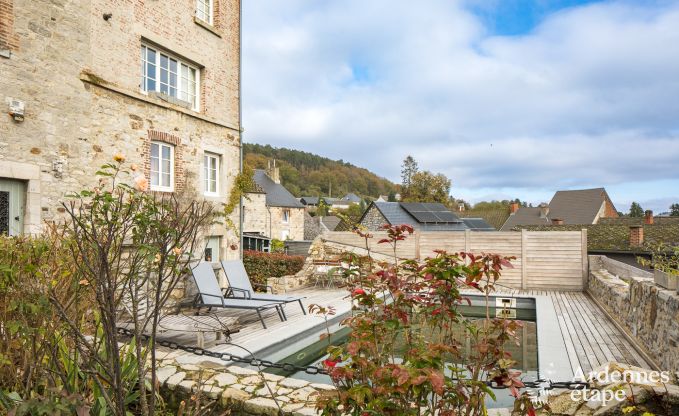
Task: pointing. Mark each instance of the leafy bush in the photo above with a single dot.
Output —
(417, 354)
(260, 266)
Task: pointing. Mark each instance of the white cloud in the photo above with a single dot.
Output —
(588, 98)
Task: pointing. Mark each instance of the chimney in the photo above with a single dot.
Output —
(544, 210)
(273, 172)
(460, 207)
(636, 235)
(557, 221)
(648, 219)
(513, 207)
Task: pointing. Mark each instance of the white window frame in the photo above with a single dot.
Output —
(160, 187)
(206, 173)
(180, 86)
(210, 12)
(286, 216)
(285, 235)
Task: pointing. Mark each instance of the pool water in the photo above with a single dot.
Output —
(525, 353)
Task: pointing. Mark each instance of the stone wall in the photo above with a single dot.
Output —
(373, 219)
(294, 227)
(237, 389)
(648, 312)
(244, 391)
(269, 220)
(79, 74)
(255, 214)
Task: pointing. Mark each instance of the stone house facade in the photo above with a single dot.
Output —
(272, 212)
(82, 80)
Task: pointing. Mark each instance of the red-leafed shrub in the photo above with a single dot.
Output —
(261, 266)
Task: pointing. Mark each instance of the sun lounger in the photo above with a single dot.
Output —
(241, 287)
(210, 295)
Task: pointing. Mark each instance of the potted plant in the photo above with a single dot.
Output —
(665, 263)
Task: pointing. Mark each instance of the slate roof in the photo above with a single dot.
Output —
(309, 200)
(395, 213)
(330, 222)
(477, 224)
(276, 194)
(352, 197)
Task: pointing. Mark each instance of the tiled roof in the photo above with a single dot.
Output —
(496, 217)
(477, 224)
(612, 237)
(578, 206)
(524, 216)
(276, 194)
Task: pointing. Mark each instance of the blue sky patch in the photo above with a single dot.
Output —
(519, 17)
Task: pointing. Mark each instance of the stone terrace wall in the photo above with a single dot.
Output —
(648, 312)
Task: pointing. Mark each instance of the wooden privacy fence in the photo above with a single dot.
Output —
(544, 259)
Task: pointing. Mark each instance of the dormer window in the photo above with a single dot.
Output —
(204, 10)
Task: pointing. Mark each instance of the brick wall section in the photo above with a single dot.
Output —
(8, 38)
(179, 171)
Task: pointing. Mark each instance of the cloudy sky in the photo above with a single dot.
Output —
(508, 98)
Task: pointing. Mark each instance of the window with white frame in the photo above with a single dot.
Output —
(162, 167)
(286, 216)
(204, 10)
(212, 248)
(285, 235)
(164, 73)
(211, 174)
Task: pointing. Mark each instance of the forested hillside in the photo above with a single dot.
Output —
(307, 174)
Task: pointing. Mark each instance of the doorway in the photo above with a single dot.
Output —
(12, 206)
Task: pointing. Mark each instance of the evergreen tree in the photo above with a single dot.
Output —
(635, 210)
(674, 210)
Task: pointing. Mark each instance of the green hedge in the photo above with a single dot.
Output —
(261, 266)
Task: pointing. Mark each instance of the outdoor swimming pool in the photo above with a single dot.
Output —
(525, 353)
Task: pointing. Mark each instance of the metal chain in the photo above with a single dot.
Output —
(225, 356)
(289, 367)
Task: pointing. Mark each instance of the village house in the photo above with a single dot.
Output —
(270, 212)
(157, 82)
(576, 207)
(421, 216)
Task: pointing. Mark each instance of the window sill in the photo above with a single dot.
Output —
(5, 53)
(92, 79)
(207, 26)
(164, 190)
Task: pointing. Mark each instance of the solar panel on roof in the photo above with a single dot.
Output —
(430, 213)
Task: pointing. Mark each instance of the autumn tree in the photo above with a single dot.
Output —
(635, 210)
(428, 187)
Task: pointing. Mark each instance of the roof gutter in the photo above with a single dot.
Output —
(240, 120)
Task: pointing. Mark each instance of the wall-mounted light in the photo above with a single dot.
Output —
(107, 16)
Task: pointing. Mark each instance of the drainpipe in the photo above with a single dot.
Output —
(240, 118)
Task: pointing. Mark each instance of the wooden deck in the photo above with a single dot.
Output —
(590, 338)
